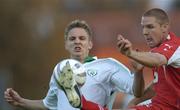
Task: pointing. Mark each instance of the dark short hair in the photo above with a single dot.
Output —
(159, 14)
(78, 24)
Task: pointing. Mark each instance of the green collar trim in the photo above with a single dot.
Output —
(89, 59)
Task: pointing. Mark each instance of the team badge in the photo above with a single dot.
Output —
(92, 72)
(167, 47)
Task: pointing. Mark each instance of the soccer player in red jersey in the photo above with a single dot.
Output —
(163, 58)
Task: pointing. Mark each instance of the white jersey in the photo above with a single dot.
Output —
(103, 77)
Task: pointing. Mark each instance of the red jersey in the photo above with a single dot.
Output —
(167, 77)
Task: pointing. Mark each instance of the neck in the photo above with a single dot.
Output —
(80, 59)
(165, 37)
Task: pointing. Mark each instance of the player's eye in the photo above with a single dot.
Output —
(150, 26)
(82, 37)
(72, 38)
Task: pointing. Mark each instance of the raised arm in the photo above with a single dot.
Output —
(146, 58)
(13, 98)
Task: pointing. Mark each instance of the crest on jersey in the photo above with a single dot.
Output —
(92, 72)
(167, 47)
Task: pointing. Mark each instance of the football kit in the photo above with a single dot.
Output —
(103, 77)
(166, 77)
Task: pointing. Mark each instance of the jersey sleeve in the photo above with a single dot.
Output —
(50, 101)
(171, 52)
(175, 58)
(123, 81)
(122, 78)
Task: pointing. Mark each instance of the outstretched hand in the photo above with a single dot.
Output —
(12, 97)
(124, 45)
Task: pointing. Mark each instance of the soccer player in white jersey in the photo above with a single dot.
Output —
(103, 77)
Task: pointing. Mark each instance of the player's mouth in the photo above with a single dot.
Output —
(150, 42)
(77, 49)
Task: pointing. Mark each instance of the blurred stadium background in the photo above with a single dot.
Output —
(32, 35)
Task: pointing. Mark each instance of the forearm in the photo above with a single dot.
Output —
(148, 94)
(33, 104)
(147, 58)
(138, 84)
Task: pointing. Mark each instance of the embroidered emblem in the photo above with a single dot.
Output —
(91, 72)
(167, 47)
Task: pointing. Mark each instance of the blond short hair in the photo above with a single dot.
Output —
(78, 24)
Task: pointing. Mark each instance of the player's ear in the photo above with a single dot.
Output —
(90, 45)
(66, 47)
(165, 27)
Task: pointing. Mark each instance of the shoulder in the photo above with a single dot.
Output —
(108, 62)
(105, 61)
(172, 39)
(109, 59)
(170, 45)
(113, 62)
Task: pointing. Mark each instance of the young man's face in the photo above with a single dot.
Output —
(153, 31)
(78, 43)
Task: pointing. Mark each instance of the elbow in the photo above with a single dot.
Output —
(138, 94)
(159, 60)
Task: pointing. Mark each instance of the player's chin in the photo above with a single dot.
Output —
(151, 45)
(78, 53)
